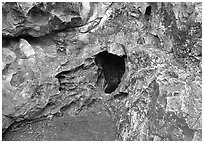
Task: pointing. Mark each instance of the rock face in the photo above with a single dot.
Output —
(38, 19)
(93, 124)
(140, 61)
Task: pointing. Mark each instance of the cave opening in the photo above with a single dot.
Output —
(111, 69)
(148, 11)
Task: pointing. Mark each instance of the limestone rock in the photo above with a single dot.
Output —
(140, 61)
(6, 122)
(26, 48)
(37, 19)
(8, 57)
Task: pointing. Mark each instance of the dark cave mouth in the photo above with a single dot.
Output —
(111, 69)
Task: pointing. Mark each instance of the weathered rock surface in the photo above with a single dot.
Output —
(89, 125)
(38, 19)
(140, 61)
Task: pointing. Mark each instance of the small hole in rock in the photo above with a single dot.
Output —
(112, 68)
(61, 50)
(148, 11)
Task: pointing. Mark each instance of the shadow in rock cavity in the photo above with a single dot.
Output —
(111, 70)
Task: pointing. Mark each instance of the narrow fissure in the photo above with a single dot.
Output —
(7, 39)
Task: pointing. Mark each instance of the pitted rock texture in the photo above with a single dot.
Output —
(38, 19)
(140, 61)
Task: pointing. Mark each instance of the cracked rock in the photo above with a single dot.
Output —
(102, 71)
